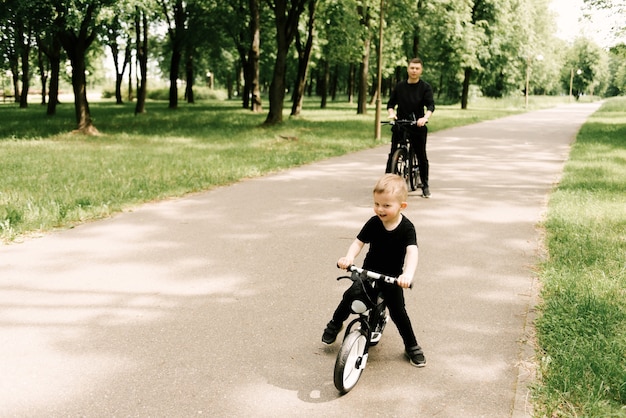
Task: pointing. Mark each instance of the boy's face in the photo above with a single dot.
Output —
(387, 206)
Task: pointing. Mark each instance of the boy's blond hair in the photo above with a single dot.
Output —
(393, 184)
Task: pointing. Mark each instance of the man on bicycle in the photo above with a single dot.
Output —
(412, 96)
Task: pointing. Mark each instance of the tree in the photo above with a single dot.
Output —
(340, 41)
(586, 68)
(117, 35)
(11, 43)
(141, 39)
(304, 55)
(176, 17)
(365, 11)
(239, 23)
(79, 25)
(617, 67)
(49, 44)
(286, 19)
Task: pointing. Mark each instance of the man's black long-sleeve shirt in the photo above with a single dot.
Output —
(411, 99)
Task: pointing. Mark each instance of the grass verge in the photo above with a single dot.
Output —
(50, 178)
(581, 329)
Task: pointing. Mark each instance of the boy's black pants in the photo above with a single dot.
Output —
(394, 298)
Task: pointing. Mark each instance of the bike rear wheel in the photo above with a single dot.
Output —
(400, 164)
(414, 171)
(351, 361)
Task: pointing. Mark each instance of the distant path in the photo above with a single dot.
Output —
(214, 304)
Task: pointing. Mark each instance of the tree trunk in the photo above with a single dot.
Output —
(466, 84)
(81, 105)
(189, 78)
(254, 56)
(286, 25)
(277, 88)
(24, 46)
(176, 31)
(364, 13)
(55, 67)
(52, 49)
(174, 66)
(304, 55)
(43, 74)
(76, 48)
(364, 69)
(119, 72)
(141, 31)
(324, 83)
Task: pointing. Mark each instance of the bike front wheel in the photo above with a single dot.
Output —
(351, 361)
(400, 164)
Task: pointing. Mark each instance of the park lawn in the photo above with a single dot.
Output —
(51, 178)
(581, 329)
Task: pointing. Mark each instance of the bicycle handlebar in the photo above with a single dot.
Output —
(399, 122)
(374, 275)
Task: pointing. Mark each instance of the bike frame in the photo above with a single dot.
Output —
(402, 158)
(353, 353)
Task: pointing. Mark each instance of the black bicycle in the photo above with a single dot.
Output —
(364, 331)
(403, 158)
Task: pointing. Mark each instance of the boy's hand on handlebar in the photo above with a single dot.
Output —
(344, 263)
(422, 122)
(404, 281)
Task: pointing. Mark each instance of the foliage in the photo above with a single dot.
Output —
(617, 70)
(588, 64)
(467, 45)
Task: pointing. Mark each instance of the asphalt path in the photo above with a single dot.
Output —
(214, 304)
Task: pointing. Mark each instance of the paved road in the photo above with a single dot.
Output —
(214, 304)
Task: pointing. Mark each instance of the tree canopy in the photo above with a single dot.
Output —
(285, 50)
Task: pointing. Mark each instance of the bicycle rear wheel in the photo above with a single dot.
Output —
(414, 171)
(400, 164)
(351, 361)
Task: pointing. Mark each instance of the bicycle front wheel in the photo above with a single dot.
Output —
(351, 361)
(400, 164)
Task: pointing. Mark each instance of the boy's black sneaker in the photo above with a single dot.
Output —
(416, 356)
(330, 333)
(425, 192)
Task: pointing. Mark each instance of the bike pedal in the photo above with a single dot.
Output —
(376, 336)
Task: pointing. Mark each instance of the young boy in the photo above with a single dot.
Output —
(392, 252)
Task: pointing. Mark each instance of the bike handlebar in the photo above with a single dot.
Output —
(399, 122)
(374, 275)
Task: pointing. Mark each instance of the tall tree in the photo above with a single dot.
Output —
(176, 16)
(49, 44)
(80, 25)
(117, 36)
(304, 55)
(286, 19)
(23, 28)
(365, 13)
(141, 39)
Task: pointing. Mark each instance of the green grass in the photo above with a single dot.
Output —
(50, 178)
(582, 327)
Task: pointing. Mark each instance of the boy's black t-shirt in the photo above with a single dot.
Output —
(387, 249)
